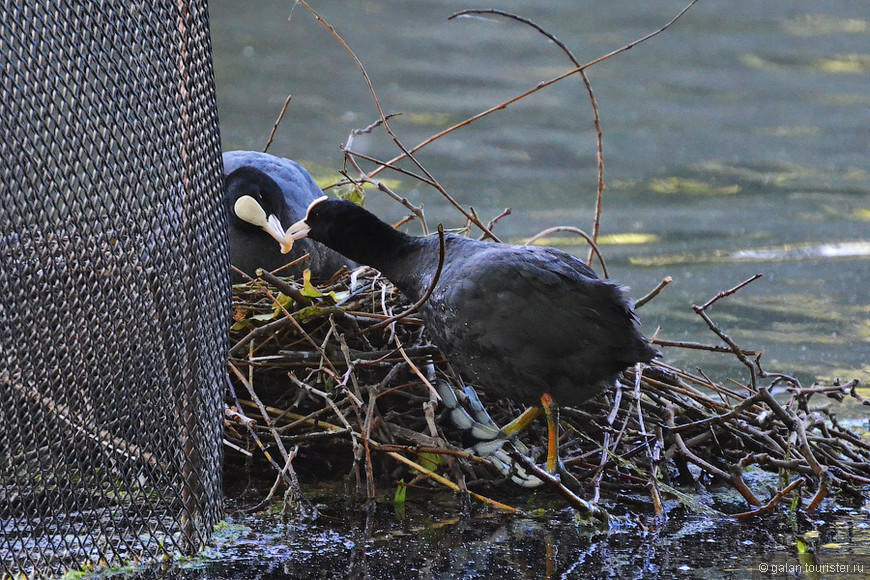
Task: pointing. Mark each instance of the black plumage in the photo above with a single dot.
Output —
(282, 188)
(517, 321)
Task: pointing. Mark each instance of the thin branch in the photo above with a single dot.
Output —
(580, 233)
(417, 305)
(596, 222)
(406, 153)
(277, 122)
(536, 88)
(653, 293)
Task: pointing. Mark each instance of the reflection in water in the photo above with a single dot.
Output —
(491, 546)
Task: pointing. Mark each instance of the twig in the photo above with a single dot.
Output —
(596, 222)
(773, 501)
(447, 483)
(417, 305)
(698, 346)
(284, 287)
(736, 480)
(277, 122)
(306, 509)
(655, 292)
(554, 482)
(362, 176)
(580, 233)
(406, 153)
(66, 416)
(533, 90)
(738, 352)
(726, 293)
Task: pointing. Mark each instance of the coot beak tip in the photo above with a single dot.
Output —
(296, 231)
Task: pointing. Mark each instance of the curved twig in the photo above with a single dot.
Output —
(406, 153)
(580, 233)
(596, 222)
(277, 122)
(653, 293)
(535, 89)
(416, 306)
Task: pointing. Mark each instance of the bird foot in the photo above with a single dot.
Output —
(491, 438)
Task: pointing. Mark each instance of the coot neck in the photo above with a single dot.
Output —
(367, 240)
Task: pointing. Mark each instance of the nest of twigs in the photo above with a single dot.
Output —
(333, 373)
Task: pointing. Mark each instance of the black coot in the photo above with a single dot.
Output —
(518, 321)
(283, 189)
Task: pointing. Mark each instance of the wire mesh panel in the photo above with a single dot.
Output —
(113, 283)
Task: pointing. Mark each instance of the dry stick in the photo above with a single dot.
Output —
(277, 122)
(366, 437)
(735, 479)
(284, 287)
(653, 457)
(405, 152)
(416, 306)
(377, 161)
(359, 450)
(366, 425)
(260, 331)
(726, 293)
(537, 88)
(416, 370)
(505, 212)
(553, 481)
(807, 452)
(349, 157)
(688, 345)
(306, 509)
(773, 501)
(289, 316)
(593, 246)
(738, 352)
(65, 415)
(605, 445)
(716, 419)
(778, 376)
(653, 293)
(447, 483)
(596, 222)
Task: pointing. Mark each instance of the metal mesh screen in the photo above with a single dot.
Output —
(113, 283)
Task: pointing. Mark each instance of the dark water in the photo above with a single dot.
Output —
(433, 541)
(736, 142)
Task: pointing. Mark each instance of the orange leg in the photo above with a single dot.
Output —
(551, 410)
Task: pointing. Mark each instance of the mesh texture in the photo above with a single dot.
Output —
(113, 284)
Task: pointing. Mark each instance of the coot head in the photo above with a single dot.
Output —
(263, 195)
(352, 231)
(254, 202)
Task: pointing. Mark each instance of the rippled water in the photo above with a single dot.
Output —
(735, 143)
(433, 541)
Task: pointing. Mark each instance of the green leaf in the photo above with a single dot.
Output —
(310, 291)
(430, 461)
(399, 499)
(262, 317)
(308, 288)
